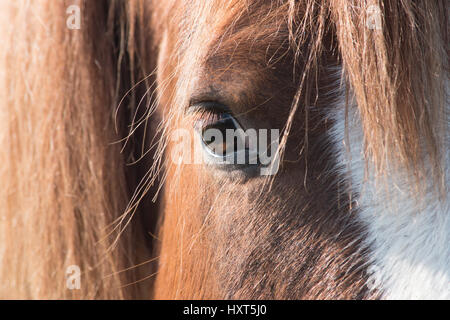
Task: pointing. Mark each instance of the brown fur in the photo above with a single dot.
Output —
(65, 184)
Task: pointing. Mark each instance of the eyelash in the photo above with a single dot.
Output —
(204, 117)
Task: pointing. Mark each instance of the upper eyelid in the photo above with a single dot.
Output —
(208, 105)
(205, 107)
(210, 94)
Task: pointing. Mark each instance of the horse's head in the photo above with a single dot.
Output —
(292, 149)
(321, 76)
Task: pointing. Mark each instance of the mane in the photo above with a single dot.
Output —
(64, 179)
(65, 183)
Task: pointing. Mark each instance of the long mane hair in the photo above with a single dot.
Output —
(65, 184)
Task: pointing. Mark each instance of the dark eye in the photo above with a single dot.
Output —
(223, 136)
(226, 144)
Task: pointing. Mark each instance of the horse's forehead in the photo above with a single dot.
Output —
(228, 22)
(229, 44)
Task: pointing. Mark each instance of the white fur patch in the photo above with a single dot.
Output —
(410, 241)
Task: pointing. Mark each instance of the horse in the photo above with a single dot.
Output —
(107, 105)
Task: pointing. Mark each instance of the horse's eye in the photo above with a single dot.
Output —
(222, 135)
